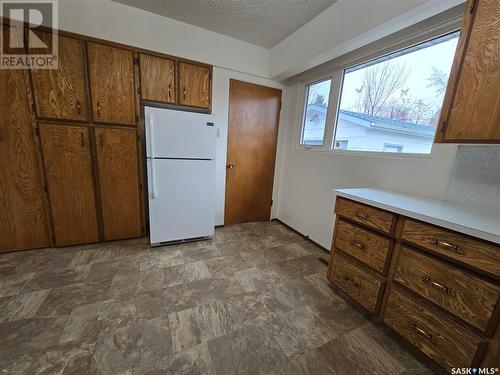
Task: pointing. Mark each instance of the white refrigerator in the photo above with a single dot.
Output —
(180, 151)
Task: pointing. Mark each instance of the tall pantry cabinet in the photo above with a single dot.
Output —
(71, 157)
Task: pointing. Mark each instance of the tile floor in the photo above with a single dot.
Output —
(253, 300)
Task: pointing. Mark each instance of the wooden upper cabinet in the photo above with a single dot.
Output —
(111, 84)
(471, 111)
(119, 183)
(195, 86)
(22, 209)
(60, 93)
(68, 167)
(157, 79)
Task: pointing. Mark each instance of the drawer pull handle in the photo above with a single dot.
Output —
(449, 245)
(422, 332)
(358, 244)
(361, 215)
(437, 285)
(352, 281)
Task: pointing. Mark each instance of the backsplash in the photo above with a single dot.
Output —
(475, 177)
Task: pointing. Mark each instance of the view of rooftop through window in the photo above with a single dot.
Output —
(395, 100)
(313, 129)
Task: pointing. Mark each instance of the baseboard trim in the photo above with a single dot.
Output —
(302, 235)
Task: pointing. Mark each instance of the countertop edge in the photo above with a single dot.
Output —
(429, 219)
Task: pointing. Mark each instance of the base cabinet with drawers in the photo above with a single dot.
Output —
(436, 288)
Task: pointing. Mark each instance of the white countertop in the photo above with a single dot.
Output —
(461, 218)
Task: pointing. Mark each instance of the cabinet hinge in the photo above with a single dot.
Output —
(136, 61)
(45, 188)
(140, 187)
(37, 131)
(139, 91)
(137, 119)
(33, 107)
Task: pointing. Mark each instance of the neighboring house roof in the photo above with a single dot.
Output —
(381, 123)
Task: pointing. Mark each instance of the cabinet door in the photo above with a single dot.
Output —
(111, 84)
(22, 202)
(68, 167)
(119, 183)
(473, 114)
(60, 93)
(157, 78)
(195, 85)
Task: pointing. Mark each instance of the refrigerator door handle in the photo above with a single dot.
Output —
(152, 181)
(151, 135)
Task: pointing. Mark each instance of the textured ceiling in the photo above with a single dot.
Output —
(260, 22)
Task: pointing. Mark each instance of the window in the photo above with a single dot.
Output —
(316, 110)
(393, 103)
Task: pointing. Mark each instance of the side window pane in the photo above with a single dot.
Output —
(316, 109)
(393, 104)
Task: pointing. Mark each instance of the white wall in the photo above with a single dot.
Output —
(345, 26)
(123, 24)
(307, 178)
(220, 109)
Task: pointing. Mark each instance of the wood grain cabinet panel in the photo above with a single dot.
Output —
(60, 93)
(467, 250)
(464, 295)
(68, 167)
(472, 103)
(372, 217)
(20, 171)
(119, 183)
(195, 86)
(111, 84)
(438, 337)
(369, 248)
(157, 79)
(359, 284)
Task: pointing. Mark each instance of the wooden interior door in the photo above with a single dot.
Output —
(60, 93)
(119, 183)
(157, 78)
(475, 105)
(68, 168)
(21, 185)
(195, 85)
(111, 84)
(253, 130)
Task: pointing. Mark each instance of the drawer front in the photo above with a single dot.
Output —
(457, 291)
(362, 244)
(359, 284)
(467, 250)
(437, 336)
(370, 216)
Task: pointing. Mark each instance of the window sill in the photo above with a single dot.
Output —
(364, 154)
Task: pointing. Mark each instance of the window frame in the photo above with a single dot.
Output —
(305, 97)
(336, 71)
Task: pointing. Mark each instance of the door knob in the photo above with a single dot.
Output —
(230, 166)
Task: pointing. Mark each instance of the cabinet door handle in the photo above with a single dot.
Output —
(78, 108)
(184, 92)
(169, 91)
(361, 215)
(82, 140)
(437, 285)
(230, 166)
(98, 109)
(422, 332)
(449, 245)
(357, 244)
(101, 140)
(352, 281)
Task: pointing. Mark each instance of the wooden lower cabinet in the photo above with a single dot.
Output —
(118, 175)
(440, 338)
(68, 168)
(439, 289)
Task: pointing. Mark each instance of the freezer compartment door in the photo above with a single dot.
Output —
(181, 199)
(179, 134)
